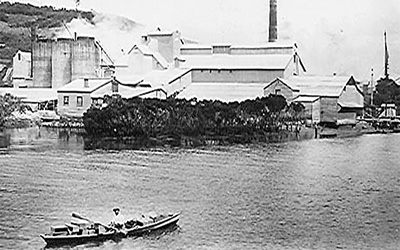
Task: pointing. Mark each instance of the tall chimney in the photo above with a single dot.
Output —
(273, 22)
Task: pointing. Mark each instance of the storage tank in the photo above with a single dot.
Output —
(42, 58)
(61, 62)
(85, 58)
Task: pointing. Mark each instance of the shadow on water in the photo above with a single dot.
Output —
(122, 143)
(4, 140)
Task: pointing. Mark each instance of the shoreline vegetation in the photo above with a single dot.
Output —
(189, 123)
(143, 123)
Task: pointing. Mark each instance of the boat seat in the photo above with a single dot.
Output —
(59, 230)
(72, 228)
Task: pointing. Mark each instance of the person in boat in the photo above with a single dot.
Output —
(118, 221)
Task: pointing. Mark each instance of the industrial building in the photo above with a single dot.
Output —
(22, 69)
(328, 100)
(76, 97)
(60, 61)
(236, 73)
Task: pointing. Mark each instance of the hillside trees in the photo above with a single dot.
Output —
(20, 22)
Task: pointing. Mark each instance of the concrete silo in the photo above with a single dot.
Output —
(85, 58)
(62, 62)
(42, 63)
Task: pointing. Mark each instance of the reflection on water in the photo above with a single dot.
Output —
(4, 140)
(315, 194)
(41, 137)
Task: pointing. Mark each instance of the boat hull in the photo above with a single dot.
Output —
(77, 239)
(60, 240)
(148, 228)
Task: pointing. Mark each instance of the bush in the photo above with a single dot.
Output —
(148, 118)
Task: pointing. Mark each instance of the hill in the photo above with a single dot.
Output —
(18, 23)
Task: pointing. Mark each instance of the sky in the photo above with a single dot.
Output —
(334, 36)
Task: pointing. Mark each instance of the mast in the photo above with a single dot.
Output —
(386, 59)
(372, 86)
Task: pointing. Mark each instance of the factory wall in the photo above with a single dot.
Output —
(236, 75)
(42, 63)
(61, 62)
(85, 58)
(58, 62)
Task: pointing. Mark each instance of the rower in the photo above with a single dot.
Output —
(118, 220)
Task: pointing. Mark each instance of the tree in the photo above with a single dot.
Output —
(387, 91)
(9, 104)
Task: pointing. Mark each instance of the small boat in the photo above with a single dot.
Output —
(79, 233)
(84, 230)
(150, 223)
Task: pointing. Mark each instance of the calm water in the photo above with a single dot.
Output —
(314, 194)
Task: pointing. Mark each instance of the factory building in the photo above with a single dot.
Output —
(58, 62)
(22, 69)
(327, 100)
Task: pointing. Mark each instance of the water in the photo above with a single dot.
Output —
(314, 194)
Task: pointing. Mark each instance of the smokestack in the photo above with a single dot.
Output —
(273, 22)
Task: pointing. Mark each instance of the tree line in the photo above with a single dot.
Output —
(152, 118)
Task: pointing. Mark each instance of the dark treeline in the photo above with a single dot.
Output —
(177, 118)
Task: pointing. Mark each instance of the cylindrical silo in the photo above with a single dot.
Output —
(62, 62)
(42, 57)
(85, 58)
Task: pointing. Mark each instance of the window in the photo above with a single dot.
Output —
(79, 101)
(19, 56)
(277, 91)
(66, 100)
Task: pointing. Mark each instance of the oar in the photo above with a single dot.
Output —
(89, 220)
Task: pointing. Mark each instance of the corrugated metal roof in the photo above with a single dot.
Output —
(227, 61)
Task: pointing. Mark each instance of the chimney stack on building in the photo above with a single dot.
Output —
(86, 83)
(273, 21)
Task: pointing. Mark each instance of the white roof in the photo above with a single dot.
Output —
(226, 92)
(227, 61)
(305, 99)
(123, 90)
(155, 78)
(317, 85)
(78, 85)
(148, 52)
(31, 94)
(25, 55)
(260, 46)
